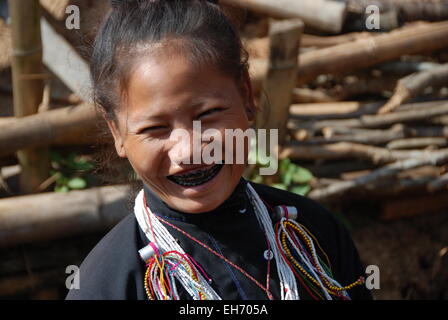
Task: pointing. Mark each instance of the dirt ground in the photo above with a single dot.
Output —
(411, 253)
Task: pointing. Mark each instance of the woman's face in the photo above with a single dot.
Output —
(165, 95)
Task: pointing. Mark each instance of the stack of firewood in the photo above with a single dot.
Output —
(369, 110)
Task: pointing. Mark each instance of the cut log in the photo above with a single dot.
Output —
(332, 110)
(428, 110)
(70, 125)
(344, 150)
(414, 84)
(416, 143)
(322, 15)
(363, 53)
(26, 219)
(390, 170)
(350, 109)
(374, 137)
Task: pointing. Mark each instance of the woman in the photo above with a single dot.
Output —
(199, 231)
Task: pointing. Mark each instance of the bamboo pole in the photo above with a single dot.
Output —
(70, 125)
(27, 84)
(45, 216)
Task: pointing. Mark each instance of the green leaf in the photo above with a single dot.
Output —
(61, 189)
(284, 165)
(82, 163)
(280, 186)
(301, 189)
(62, 179)
(301, 175)
(287, 176)
(77, 183)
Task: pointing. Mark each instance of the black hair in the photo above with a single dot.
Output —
(200, 30)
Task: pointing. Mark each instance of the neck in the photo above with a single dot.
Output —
(236, 201)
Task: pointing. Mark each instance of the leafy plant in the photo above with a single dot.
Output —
(292, 177)
(70, 172)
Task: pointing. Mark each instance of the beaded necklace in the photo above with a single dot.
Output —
(163, 240)
(294, 248)
(245, 273)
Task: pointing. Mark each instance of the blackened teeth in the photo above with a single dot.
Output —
(197, 177)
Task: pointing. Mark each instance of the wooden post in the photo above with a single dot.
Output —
(280, 81)
(28, 84)
(281, 76)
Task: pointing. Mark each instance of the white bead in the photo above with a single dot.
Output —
(268, 254)
(280, 212)
(147, 252)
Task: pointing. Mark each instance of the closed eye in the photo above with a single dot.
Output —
(153, 129)
(211, 111)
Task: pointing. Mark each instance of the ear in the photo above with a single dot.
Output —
(251, 109)
(119, 141)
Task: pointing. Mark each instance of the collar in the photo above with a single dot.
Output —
(238, 200)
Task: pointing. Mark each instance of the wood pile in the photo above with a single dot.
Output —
(369, 110)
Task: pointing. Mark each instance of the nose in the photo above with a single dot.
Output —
(182, 146)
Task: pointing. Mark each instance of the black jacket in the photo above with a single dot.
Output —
(114, 270)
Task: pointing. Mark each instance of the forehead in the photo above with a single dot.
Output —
(159, 86)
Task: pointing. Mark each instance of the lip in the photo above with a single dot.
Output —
(192, 169)
(194, 190)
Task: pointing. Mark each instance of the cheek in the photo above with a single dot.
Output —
(147, 158)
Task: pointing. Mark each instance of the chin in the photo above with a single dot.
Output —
(191, 206)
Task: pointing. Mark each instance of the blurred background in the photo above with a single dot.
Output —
(358, 90)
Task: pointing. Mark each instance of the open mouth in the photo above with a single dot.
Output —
(196, 177)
